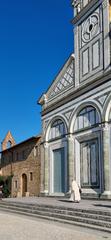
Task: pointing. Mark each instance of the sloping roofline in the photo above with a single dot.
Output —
(23, 142)
(40, 100)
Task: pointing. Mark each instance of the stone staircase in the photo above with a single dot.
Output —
(89, 218)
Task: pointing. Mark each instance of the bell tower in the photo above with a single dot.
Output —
(8, 141)
(91, 38)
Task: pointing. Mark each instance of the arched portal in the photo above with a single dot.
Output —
(24, 184)
(57, 156)
(87, 147)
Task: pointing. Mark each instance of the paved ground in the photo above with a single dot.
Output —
(84, 204)
(16, 227)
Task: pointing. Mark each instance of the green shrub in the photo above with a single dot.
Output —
(6, 182)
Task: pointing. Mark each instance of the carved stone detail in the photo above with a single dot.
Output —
(90, 28)
(105, 3)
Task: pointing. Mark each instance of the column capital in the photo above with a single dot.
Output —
(70, 137)
(46, 145)
(104, 126)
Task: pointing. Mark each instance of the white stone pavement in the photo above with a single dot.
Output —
(17, 227)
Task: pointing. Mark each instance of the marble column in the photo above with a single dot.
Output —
(106, 162)
(76, 47)
(46, 169)
(71, 174)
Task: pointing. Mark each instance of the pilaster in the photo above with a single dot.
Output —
(71, 159)
(106, 162)
(77, 59)
(46, 169)
(106, 29)
(42, 170)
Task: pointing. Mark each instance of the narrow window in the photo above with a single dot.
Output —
(31, 176)
(36, 151)
(16, 184)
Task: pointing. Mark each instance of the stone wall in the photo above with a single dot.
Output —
(22, 159)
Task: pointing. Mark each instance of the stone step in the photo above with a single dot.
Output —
(92, 219)
(63, 220)
(105, 214)
(77, 212)
(64, 211)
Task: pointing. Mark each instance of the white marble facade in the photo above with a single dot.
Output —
(76, 111)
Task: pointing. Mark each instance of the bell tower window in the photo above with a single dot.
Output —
(9, 144)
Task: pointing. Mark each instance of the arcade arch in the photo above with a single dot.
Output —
(56, 153)
(86, 134)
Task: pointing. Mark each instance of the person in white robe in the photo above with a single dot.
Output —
(75, 193)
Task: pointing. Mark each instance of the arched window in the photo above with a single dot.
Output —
(57, 129)
(86, 118)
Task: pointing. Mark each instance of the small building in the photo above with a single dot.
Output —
(22, 162)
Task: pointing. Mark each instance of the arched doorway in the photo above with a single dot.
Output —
(24, 184)
(58, 157)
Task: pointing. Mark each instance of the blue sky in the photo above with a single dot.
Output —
(36, 38)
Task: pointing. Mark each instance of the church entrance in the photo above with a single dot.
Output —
(89, 164)
(24, 184)
(58, 171)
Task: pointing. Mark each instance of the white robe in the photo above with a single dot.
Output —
(75, 194)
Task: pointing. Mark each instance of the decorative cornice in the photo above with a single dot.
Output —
(75, 2)
(85, 10)
(79, 92)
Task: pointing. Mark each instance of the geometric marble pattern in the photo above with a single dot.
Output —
(68, 114)
(65, 81)
(102, 99)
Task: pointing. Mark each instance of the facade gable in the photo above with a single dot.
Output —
(63, 83)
